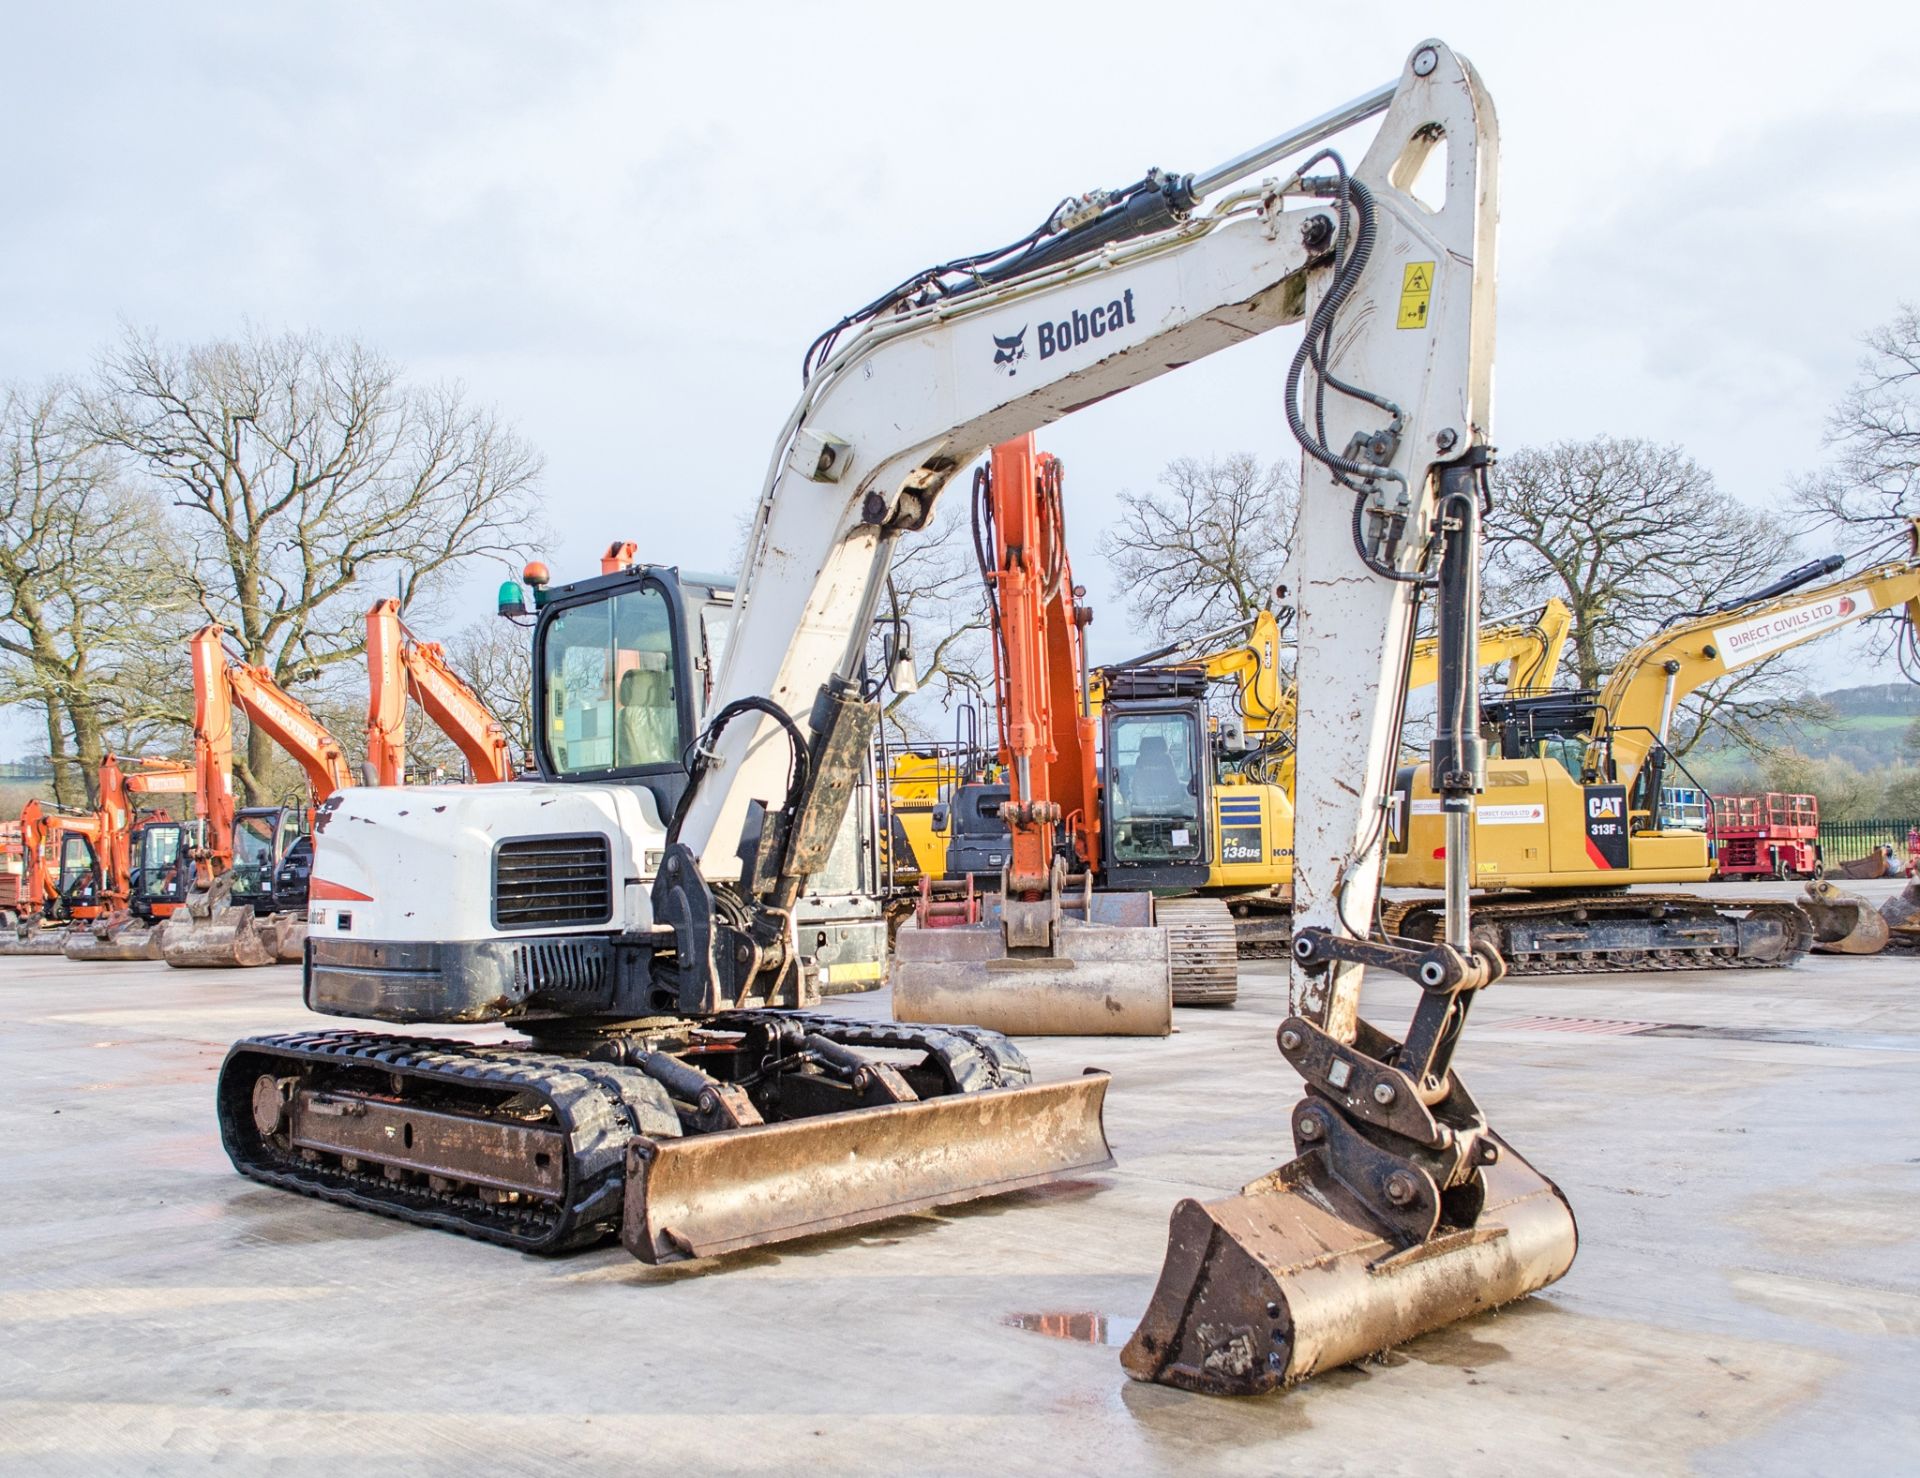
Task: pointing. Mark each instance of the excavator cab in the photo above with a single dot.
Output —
(263, 839)
(76, 892)
(1159, 771)
(162, 868)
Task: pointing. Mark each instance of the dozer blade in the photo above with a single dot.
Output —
(131, 940)
(712, 1193)
(227, 938)
(1104, 981)
(1842, 923)
(1288, 1278)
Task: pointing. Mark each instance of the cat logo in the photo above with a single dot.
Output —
(1606, 807)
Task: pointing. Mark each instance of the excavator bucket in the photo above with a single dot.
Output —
(1876, 864)
(1286, 1279)
(34, 940)
(1843, 924)
(211, 932)
(706, 1194)
(1901, 915)
(1099, 980)
(117, 937)
(228, 937)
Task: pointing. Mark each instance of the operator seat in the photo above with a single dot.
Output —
(1155, 787)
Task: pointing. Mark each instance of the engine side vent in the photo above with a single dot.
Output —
(546, 882)
(570, 969)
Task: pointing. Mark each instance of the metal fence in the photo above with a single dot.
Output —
(1846, 841)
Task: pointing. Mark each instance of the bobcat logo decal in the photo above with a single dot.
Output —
(1010, 351)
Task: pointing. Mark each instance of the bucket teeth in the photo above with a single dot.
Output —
(1289, 1278)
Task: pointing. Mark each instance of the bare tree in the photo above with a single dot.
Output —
(1629, 533)
(1205, 549)
(494, 657)
(91, 592)
(300, 467)
(1871, 488)
(936, 588)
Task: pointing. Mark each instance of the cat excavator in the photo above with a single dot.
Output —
(670, 1079)
(1574, 813)
(400, 666)
(252, 909)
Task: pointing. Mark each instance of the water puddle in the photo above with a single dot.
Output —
(1080, 1328)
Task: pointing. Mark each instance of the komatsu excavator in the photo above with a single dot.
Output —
(400, 665)
(253, 907)
(635, 927)
(1574, 804)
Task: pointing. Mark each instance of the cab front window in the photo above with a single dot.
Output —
(611, 700)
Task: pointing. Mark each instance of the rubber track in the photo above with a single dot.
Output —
(1421, 919)
(602, 1107)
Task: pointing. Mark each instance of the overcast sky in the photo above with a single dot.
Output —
(622, 224)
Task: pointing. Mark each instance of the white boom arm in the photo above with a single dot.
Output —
(914, 397)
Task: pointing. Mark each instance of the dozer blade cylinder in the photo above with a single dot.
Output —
(1104, 981)
(230, 937)
(713, 1193)
(1287, 1279)
(1842, 923)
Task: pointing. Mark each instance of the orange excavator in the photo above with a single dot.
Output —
(59, 880)
(1050, 953)
(252, 909)
(145, 864)
(399, 666)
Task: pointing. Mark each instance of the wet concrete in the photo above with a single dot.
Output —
(1747, 1296)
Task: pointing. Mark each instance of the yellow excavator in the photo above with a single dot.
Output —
(1250, 851)
(1572, 815)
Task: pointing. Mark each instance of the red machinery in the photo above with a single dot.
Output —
(1775, 835)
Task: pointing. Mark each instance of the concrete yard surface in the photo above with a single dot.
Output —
(1742, 1150)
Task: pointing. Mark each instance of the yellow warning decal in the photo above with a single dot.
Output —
(1416, 291)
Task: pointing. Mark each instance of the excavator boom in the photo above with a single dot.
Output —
(400, 666)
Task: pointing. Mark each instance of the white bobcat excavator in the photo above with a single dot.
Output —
(632, 916)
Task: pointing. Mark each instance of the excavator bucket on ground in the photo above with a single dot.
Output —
(1901, 915)
(119, 936)
(35, 939)
(1876, 864)
(1106, 973)
(1843, 924)
(1290, 1277)
(213, 932)
(701, 1195)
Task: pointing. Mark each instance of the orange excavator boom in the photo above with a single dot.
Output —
(284, 718)
(1039, 665)
(400, 665)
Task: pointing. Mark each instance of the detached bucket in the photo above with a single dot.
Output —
(711, 1193)
(1842, 923)
(1901, 914)
(1288, 1278)
(1101, 981)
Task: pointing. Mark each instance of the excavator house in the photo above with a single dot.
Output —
(630, 915)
